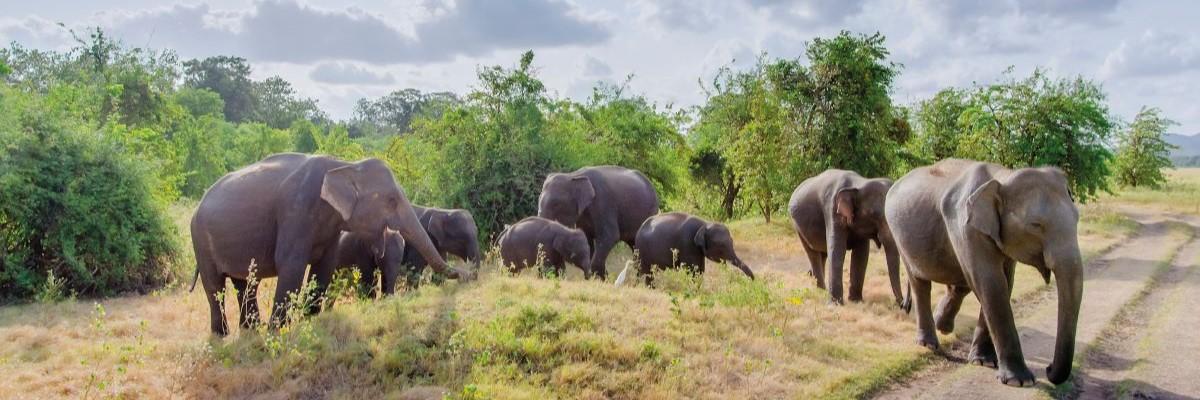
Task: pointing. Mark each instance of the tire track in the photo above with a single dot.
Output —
(1111, 281)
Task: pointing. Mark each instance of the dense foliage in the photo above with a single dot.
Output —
(1035, 121)
(1143, 153)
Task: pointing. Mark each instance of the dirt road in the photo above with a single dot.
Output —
(1137, 330)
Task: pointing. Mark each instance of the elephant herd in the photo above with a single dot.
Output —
(960, 223)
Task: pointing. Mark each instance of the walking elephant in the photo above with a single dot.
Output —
(354, 250)
(452, 231)
(966, 224)
(535, 239)
(287, 212)
(677, 239)
(839, 211)
(607, 203)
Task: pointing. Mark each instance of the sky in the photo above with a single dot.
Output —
(1145, 52)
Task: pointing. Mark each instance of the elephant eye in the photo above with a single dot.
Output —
(1037, 225)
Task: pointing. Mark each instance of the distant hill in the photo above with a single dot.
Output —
(1188, 153)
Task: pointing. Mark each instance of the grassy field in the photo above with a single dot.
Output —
(516, 337)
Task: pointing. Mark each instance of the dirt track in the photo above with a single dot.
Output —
(1137, 335)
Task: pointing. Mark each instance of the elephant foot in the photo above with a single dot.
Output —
(855, 298)
(944, 324)
(930, 341)
(985, 356)
(834, 301)
(1019, 377)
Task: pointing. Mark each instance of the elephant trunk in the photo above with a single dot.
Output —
(474, 256)
(1068, 275)
(892, 257)
(410, 227)
(737, 262)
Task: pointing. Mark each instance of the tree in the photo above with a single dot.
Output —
(939, 127)
(631, 132)
(277, 105)
(841, 104)
(1142, 152)
(229, 77)
(393, 113)
(200, 102)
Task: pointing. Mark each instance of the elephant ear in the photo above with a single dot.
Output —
(983, 210)
(843, 204)
(340, 190)
(701, 238)
(584, 193)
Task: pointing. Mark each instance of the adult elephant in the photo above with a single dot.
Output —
(839, 211)
(966, 224)
(677, 239)
(287, 212)
(452, 231)
(355, 250)
(607, 203)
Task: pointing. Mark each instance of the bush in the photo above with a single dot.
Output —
(76, 207)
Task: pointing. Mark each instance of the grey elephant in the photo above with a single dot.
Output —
(839, 211)
(354, 250)
(607, 203)
(452, 231)
(535, 239)
(677, 239)
(966, 224)
(287, 212)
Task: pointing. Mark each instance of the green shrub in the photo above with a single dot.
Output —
(76, 207)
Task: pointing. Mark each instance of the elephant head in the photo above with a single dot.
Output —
(455, 233)
(574, 248)
(564, 198)
(716, 243)
(368, 200)
(861, 210)
(1031, 218)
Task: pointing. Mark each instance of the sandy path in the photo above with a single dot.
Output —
(1151, 349)
(1111, 281)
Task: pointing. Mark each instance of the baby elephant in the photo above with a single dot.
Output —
(354, 250)
(520, 243)
(694, 240)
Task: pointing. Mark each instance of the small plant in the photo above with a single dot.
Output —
(53, 290)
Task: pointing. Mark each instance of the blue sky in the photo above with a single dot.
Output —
(1144, 52)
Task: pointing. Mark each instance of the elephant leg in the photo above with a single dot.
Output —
(858, 269)
(323, 274)
(603, 245)
(287, 285)
(922, 291)
(247, 303)
(948, 307)
(836, 243)
(816, 266)
(992, 288)
(983, 351)
(214, 286)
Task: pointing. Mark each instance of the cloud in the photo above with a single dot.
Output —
(1153, 54)
(681, 14)
(340, 73)
(286, 31)
(816, 12)
(593, 67)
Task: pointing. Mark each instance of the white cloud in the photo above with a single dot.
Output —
(1153, 54)
(343, 73)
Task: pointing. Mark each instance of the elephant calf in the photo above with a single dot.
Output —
(521, 243)
(452, 231)
(675, 239)
(839, 211)
(355, 250)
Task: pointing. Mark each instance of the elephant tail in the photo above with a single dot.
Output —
(195, 277)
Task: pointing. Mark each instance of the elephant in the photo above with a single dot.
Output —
(558, 244)
(452, 231)
(287, 212)
(354, 250)
(839, 211)
(607, 203)
(677, 239)
(965, 224)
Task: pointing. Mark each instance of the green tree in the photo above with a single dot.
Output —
(200, 102)
(277, 104)
(938, 122)
(392, 114)
(1142, 152)
(631, 132)
(227, 76)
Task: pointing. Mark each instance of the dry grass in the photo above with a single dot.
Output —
(508, 337)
